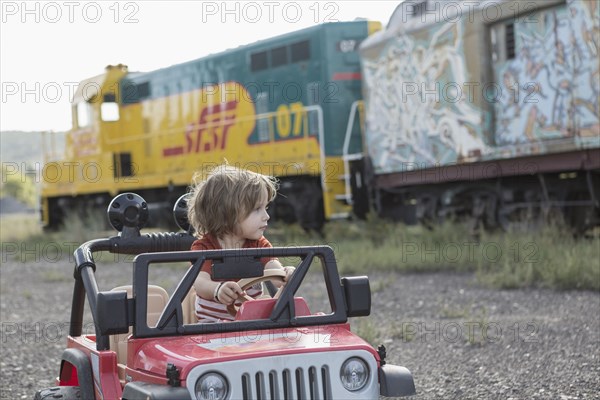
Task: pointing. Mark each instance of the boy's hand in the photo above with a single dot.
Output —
(229, 292)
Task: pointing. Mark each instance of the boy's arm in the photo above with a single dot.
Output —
(205, 287)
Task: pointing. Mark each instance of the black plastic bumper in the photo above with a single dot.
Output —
(149, 391)
(395, 381)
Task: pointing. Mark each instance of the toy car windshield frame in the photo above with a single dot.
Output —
(283, 313)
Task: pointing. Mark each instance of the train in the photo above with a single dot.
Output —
(483, 110)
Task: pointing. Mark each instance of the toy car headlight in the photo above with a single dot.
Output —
(354, 374)
(212, 386)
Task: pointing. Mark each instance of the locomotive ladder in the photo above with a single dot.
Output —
(347, 157)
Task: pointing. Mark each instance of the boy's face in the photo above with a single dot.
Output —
(254, 225)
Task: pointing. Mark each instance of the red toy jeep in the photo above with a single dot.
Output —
(148, 345)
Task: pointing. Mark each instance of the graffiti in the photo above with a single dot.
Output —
(556, 71)
(434, 99)
(420, 110)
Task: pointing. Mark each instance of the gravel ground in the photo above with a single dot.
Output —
(460, 340)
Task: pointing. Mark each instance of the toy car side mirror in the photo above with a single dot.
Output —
(128, 213)
(358, 296)
(112, 312)
(180, 212)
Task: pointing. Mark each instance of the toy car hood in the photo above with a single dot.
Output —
(186, 352)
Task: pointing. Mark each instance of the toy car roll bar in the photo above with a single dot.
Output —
(127, 213)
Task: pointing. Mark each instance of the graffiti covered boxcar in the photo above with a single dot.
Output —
(280, 106)
(487, 109)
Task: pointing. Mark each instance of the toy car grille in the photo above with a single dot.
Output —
(300, 383)
(314, 376)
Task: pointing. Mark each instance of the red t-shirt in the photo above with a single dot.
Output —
(208, 310)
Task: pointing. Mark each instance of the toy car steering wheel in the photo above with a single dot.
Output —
(269, 274)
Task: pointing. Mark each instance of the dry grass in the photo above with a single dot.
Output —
(548, 258)
(18, 227)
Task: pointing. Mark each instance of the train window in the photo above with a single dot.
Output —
(300, 51)
(503, 42)
(109, 112)
(279, 56)
(129, 92)
(83, 114)
(494, 44)
(510, 41)
(109, 109)
(126, 166)
(143, 90)
(122, 165)
(259, 61)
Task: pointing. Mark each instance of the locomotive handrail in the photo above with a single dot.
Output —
(346, 157)
(321, 135)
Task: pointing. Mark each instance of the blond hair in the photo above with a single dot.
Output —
(224, 199)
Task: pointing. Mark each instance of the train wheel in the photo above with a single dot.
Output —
(475, 207)
(533, 214)
(282, 210)
(310, 212)
(304, 198)
(55, 216)
(521, 217)
(581, 218)
(527, 211)
(427, 210)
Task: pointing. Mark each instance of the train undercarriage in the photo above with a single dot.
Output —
(562, 187)
(299, 200)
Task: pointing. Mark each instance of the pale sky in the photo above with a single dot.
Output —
(47, 47)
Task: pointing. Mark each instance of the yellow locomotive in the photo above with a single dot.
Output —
(281, 106)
